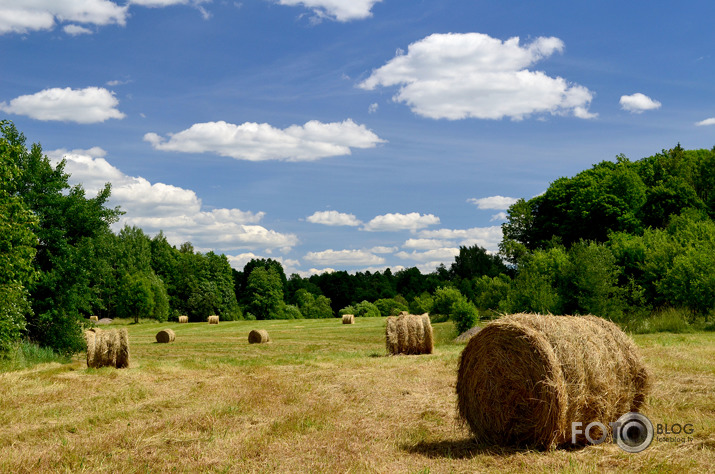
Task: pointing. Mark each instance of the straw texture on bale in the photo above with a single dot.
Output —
(183, 319)
(523, 379)
(94, 318)
(258, 336)
(165, 335)
(348, 319)
(409, 334)
(107, 348)
(213, 319)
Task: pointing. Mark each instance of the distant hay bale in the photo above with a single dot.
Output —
(348, 319)
(409, 334)
(107, 348)
(524, 378)
(183, 319)
(94, 318)
(213, 319)
(165, 335)
(468, 334)
(258, 336)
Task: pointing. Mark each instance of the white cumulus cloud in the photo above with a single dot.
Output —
(177, 211)
(487, 237)
(333, 218)
(344, 257)
(89, 105)
(426, 244)
(709, 121)
(456, 76)
(340, 10)
(260, 142)
(638, 103)
(23, 16)
(395, 222)
(498, 203)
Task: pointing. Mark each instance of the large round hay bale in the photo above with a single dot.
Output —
(213, 319)
(523, 379)
(409, 334)
(348, 319)
(165, 336)
(258, 336)
(123, 349)
(94, 318)
(107, 348)
(183, 319)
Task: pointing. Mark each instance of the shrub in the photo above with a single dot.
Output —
(464, 314)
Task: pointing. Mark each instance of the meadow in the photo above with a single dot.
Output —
(321, 397)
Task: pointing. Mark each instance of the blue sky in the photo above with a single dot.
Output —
(348, 134)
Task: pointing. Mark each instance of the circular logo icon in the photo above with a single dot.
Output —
(633, 432)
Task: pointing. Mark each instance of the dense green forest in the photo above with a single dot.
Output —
(625, 240)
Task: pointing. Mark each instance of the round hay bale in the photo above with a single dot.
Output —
(258, 336)
(348, 319)
(94, 318)
(523, 379)
(409, 334)
(468, 334)
(107, 348)
(165, 336)
(213, 319)
(183, 319)
(123, 349)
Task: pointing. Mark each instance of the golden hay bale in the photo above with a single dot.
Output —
(213, 319)
(523, 379)
(409, 334)
(107, 348)
(348, 319)
(94, 318)
(165, 335)
(258, 336)
(183, 319)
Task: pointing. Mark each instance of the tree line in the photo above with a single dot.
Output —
(619, 240)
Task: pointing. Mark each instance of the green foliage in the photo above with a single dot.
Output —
(464, 314)
(312, 307)
(135, 296)
(390, 306)
(265, 293)
(23, 355)
(367, 310)
(291, 312)
(489, 292)
(475, 261)
(350, 309)
(444, 298)
(422, 304)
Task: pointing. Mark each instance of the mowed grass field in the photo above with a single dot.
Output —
(321, 397)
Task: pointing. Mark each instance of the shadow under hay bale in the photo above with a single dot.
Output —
(348, 319)
(523, 379)
(409, 334)
(183, 319)
(258, 336)
(165, 336)
(107, 348)
(213, 319)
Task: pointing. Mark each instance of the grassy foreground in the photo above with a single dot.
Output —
(322, 397)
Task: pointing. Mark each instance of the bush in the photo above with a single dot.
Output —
(292, 312)
(464, 314)
(366, 309)
(390, 306)
(444, 298)
(666, 320)
(422, 304)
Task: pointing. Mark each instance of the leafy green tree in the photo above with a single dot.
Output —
(136, 296)
(390, 306)
(265, 293)
(366, 309)
(464, 314)
(311, 306)
(475, 261)
(489, 292)
(421, 304)
(444, 298)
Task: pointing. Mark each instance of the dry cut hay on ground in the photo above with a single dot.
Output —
(258, 336)
(409, 334)
(94, 318)
(165, 335)
(523, 379)
(467, 335)
(213, 319)
(107, 348)
(183, 319)
(348, 319)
